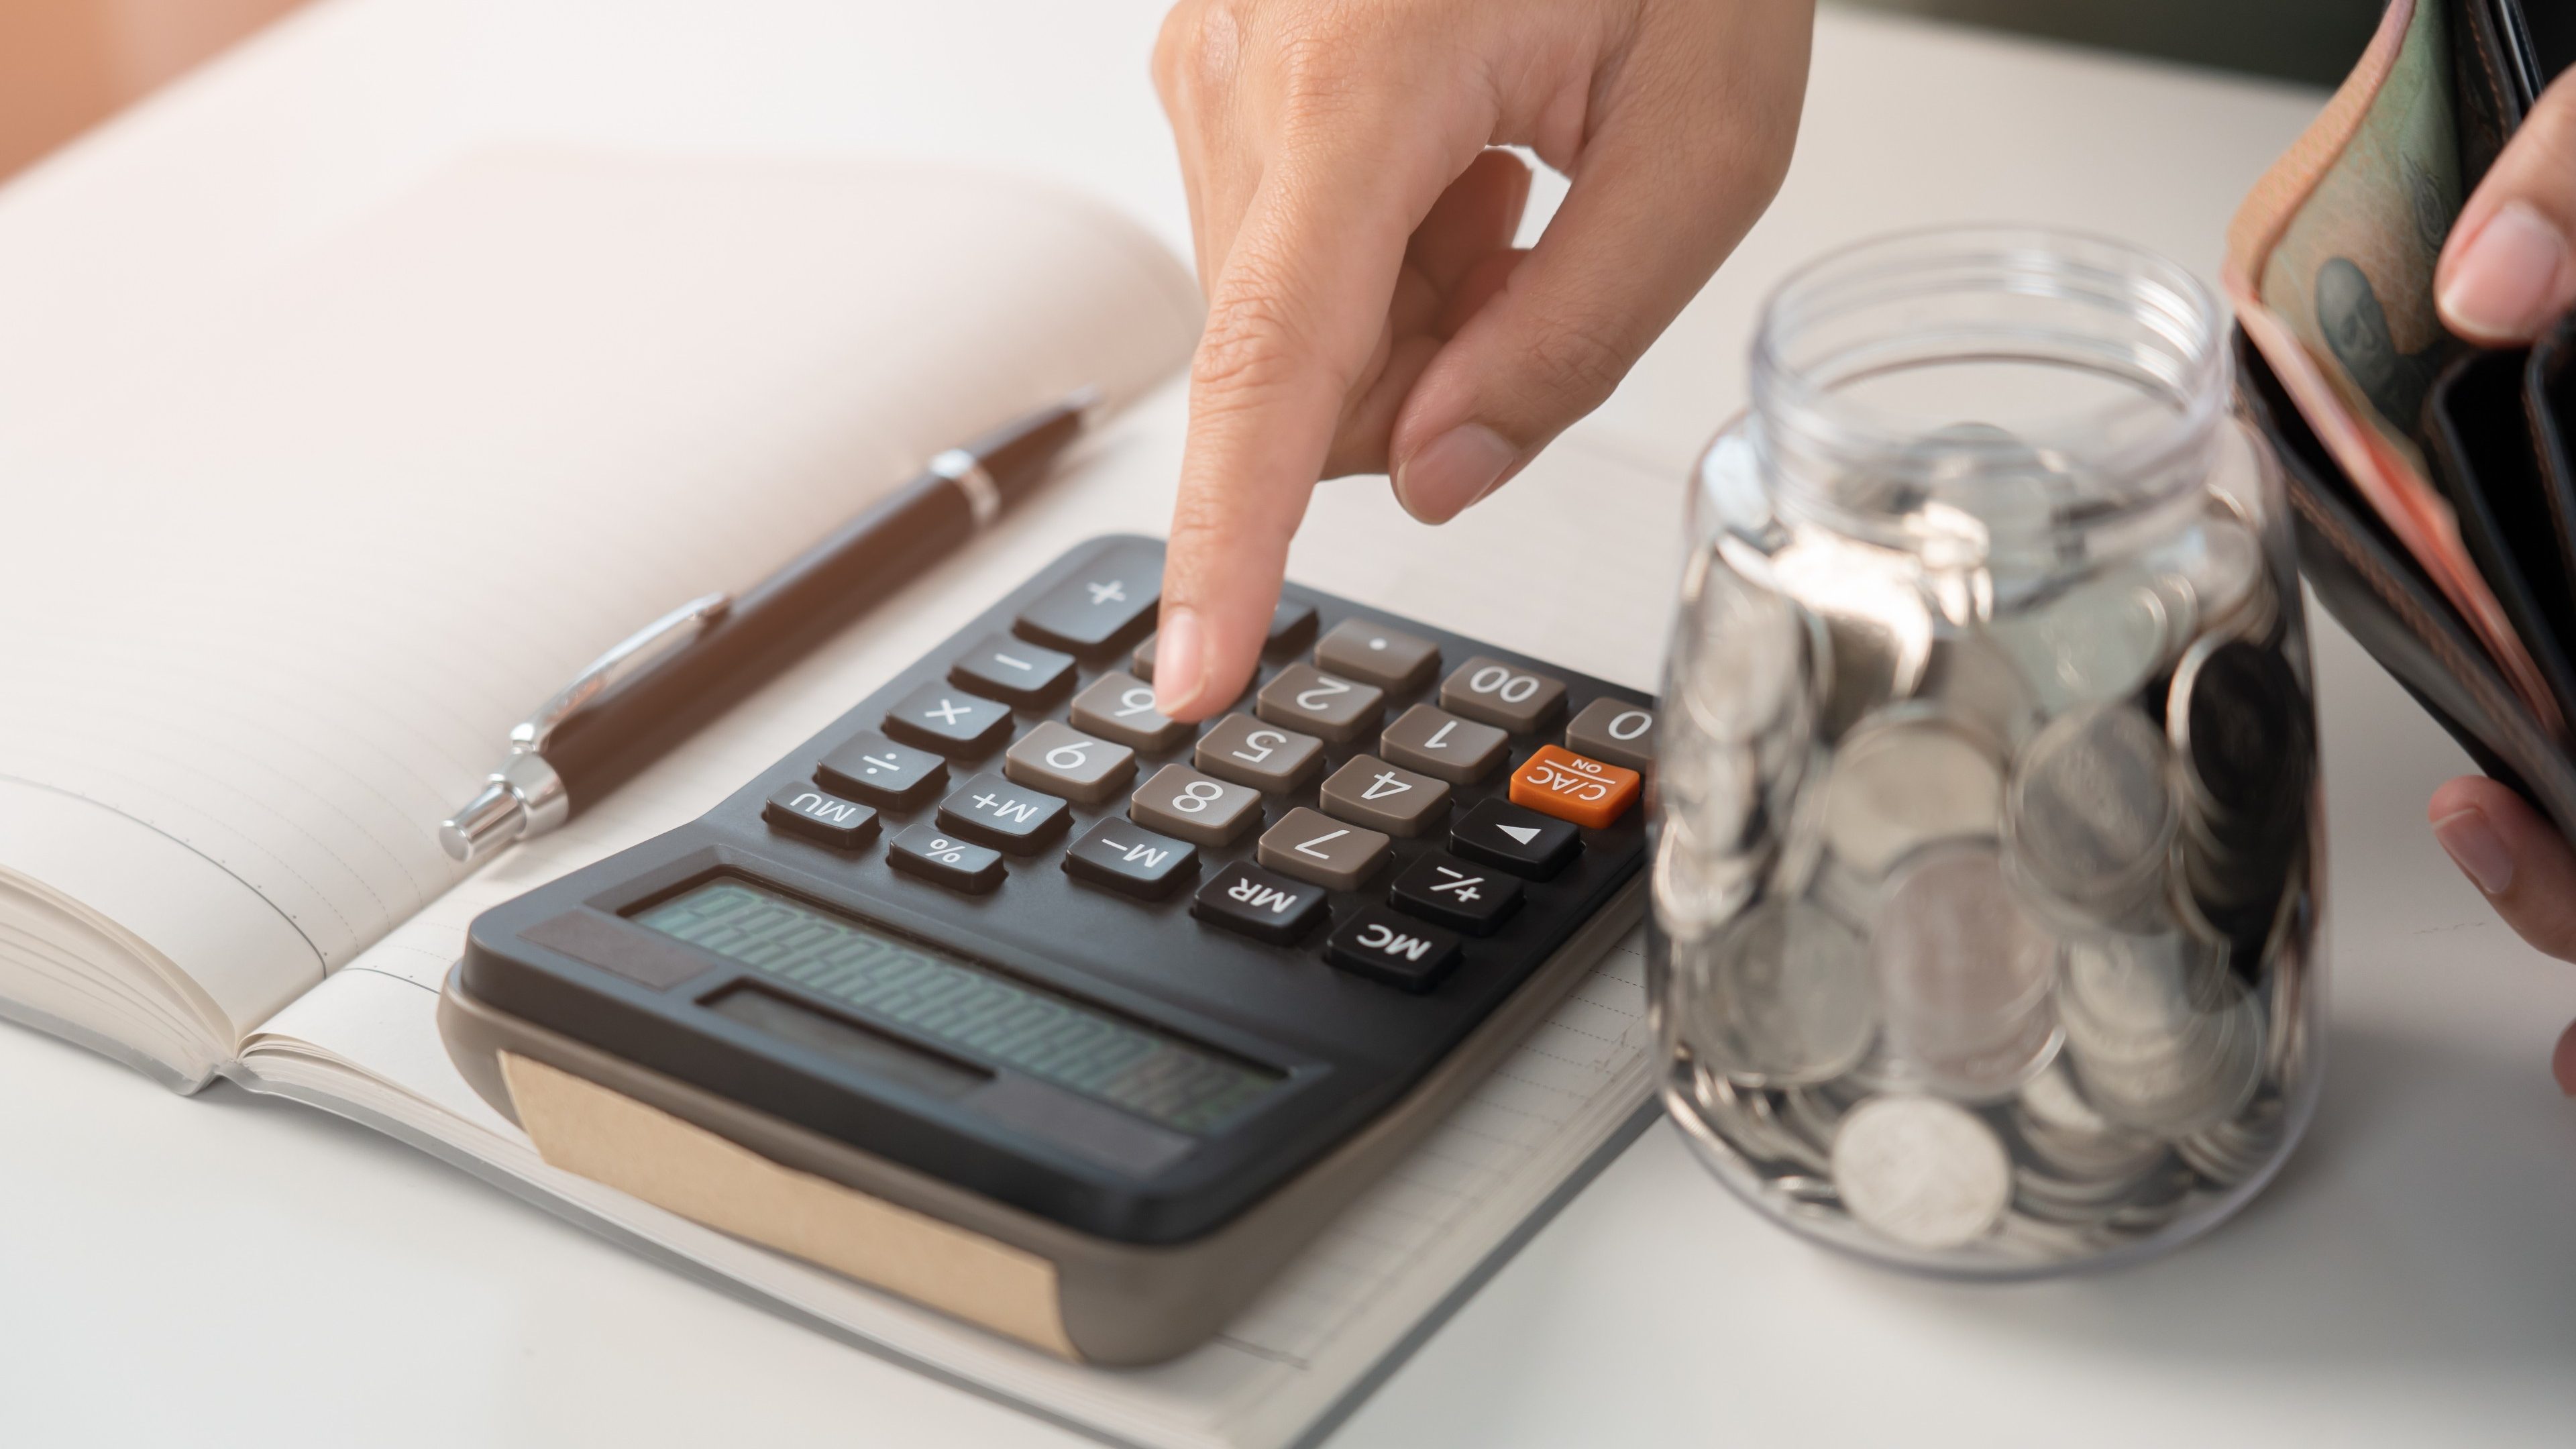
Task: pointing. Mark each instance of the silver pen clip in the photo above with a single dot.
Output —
(525, 796)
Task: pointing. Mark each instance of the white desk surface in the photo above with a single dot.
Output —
(229, 1270)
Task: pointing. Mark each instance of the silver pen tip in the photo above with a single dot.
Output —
(491, 820)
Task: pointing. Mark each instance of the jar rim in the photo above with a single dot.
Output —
(2178, 343)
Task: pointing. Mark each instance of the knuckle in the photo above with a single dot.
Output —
(1197, 52)
(1250, 349)
(1574, 363)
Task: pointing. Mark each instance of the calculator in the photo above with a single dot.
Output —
(1015, 997)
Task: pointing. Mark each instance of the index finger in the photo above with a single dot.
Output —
(1292, 322)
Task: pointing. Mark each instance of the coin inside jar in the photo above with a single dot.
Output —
(2234, 715)
(1921, 1171)
(1789, 996)
(1904, 781)
(1964, 974)
(2096, 640)
(2088, 818)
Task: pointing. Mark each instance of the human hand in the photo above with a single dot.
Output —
(2509, 267)
(2507, 272)
(1366, 308)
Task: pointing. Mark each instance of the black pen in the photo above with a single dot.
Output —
(648, 693)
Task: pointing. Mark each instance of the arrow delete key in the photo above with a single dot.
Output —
(1523, 842)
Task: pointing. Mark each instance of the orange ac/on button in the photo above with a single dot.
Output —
(1556, 781)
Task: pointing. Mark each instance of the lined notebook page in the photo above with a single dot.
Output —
(303, 567)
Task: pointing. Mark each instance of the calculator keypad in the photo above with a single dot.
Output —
(1369, 791)
(1312, 785)
(1556, 781)
(1265, 907)
(1021, 674)
(1265, 757)
(1292, 628)
(992, 811)
(1094, 613)
(800, 809)
(1181, 801)
(924, 851)
(1523, 842)
(1391, 949)
(868, 766)
(1323, 851)
(1439, 743)
(1120, 706)
(1616, 732)
(1503, 696)
(1388, 658)
(1130, 859)
(1306, 698)
(1458, 894)
(1063, 761)
(945, 718)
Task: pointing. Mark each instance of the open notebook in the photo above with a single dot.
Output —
(278, 584)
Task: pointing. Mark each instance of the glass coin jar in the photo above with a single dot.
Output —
(1986, 795)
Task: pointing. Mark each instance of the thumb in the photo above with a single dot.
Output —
(2509, 268)
(2513, 856)
(1655, 206)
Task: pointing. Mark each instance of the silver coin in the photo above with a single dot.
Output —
(1965, 975)
(2094, 641)
(1698, 891)
(1878, 629)
(2088, 818)
(1784, 996)
(2204, 1072)
(1921, 1171)
(1743, 1120)
(2220, 556)
(2238, 722)
(2063, 1133)
(2140, 995)
(1970, 677)
(1904, 781)
(1738, 658)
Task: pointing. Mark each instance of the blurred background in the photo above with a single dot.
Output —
(66, 65)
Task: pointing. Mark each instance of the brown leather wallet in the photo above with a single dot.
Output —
(2496, 431)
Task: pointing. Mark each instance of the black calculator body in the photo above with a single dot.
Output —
(948, 955)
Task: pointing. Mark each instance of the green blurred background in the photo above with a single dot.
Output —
(2305, 40)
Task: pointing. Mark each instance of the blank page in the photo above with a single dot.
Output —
(280, 587)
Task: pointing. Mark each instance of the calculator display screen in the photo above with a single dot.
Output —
(981, 1013)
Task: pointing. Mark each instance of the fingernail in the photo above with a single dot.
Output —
(1452, 471)
(2508, 281)
(1176, 661)
(2474, 847)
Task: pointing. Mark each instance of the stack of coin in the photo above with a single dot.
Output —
(1987, 896)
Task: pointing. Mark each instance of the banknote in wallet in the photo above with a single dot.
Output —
(2430, 480)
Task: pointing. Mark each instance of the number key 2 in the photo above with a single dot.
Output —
(1556, 781)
